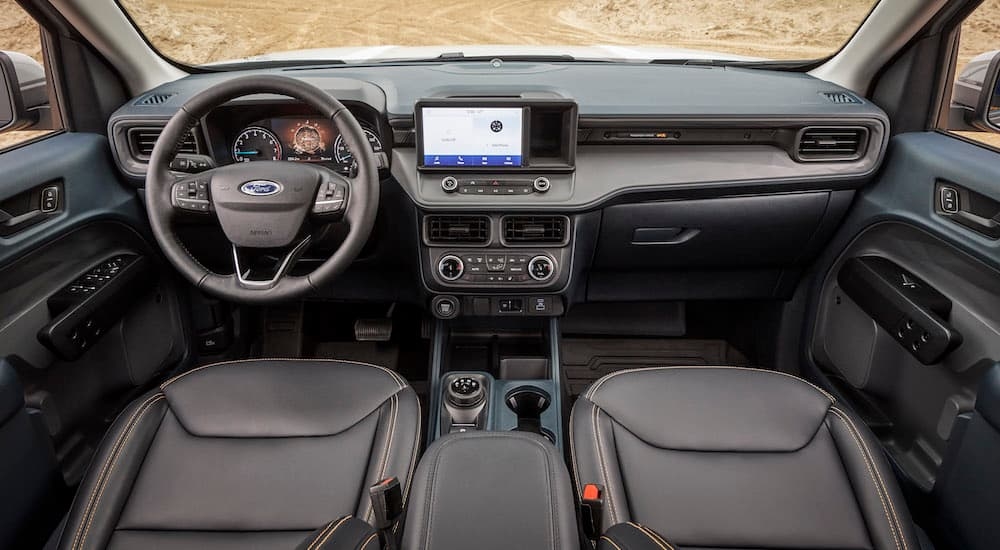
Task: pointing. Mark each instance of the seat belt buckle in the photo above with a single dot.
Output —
(387, 503)
(592, 510)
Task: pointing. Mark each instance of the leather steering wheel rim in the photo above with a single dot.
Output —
(359, 214)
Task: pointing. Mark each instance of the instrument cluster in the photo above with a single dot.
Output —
(297, 139)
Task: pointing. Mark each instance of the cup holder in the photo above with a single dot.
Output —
(528, 403)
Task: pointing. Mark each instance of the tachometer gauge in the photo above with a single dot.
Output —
(256, 143)
(343, 153)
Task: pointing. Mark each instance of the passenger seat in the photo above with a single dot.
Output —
(725, 457)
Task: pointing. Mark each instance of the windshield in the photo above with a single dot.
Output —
(213, 31)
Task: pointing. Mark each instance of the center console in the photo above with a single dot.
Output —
(491, 491)
(499, 375)
(496, 275)
(494, 423)
(481, 261)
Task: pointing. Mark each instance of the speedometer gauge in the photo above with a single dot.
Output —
(343, 153)
(256, 143)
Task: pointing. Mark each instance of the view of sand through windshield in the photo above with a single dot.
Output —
(202, 31)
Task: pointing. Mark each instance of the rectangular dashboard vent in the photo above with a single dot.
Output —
(458, 229)
(142, 140)
(534, 229)
(831, 143)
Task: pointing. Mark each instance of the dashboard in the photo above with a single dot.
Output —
(550, 183)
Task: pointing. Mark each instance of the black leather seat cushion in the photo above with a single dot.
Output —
(716, 457)
(248, 454)
(491, 491)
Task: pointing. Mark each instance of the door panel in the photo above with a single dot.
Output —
(73, 279)
(913, 405)
(943, 272)
(92, 188)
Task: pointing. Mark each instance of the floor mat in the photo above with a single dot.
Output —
(410, 365)
(584, 360)
(376, 353)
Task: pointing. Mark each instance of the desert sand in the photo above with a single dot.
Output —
(199, 31)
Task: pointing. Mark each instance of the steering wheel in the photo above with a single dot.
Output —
(271, 206)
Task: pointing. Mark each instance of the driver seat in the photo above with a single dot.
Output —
(246, 454)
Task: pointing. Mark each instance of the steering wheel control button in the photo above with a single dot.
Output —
(541, 184)
(444, 307)
(192, 195)
(541, 268)
(330, 198)
(451, 267)
(449, 184)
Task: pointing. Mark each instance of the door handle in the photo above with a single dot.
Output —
(28, 208)
(967, 208)
(987, 226)
(12, 222)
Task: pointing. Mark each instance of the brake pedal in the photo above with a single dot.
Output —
(373, 330)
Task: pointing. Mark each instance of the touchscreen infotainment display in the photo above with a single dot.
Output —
(472, 136)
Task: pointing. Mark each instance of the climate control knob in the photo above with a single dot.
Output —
(541, 184)
(449, 184)
(541, 268)
(450, 267)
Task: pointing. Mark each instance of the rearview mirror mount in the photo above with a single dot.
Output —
(23, 93)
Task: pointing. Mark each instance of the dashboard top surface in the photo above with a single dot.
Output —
(599, 89)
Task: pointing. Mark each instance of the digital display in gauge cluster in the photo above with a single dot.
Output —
(297, 139)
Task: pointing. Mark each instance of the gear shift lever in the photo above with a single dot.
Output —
(465, 392)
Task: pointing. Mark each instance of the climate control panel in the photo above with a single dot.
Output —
(496, 266)
(502, 252)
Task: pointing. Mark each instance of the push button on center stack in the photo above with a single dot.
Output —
(496, 262)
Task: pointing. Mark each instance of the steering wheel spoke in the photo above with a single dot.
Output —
(284, 265)
(192, 194)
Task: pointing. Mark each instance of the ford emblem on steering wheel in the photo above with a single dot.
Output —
(260, 188)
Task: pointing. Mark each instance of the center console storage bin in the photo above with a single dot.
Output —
(491, 490)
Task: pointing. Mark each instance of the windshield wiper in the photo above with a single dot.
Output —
(272, 63)
(764, 64)
(459, 56)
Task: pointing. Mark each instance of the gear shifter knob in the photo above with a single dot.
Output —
(465, 392)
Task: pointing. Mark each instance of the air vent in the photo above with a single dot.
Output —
(154, 99)
(142, 140)
(841, 98)
(457, 229)
(833, 143)
(534, 229)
